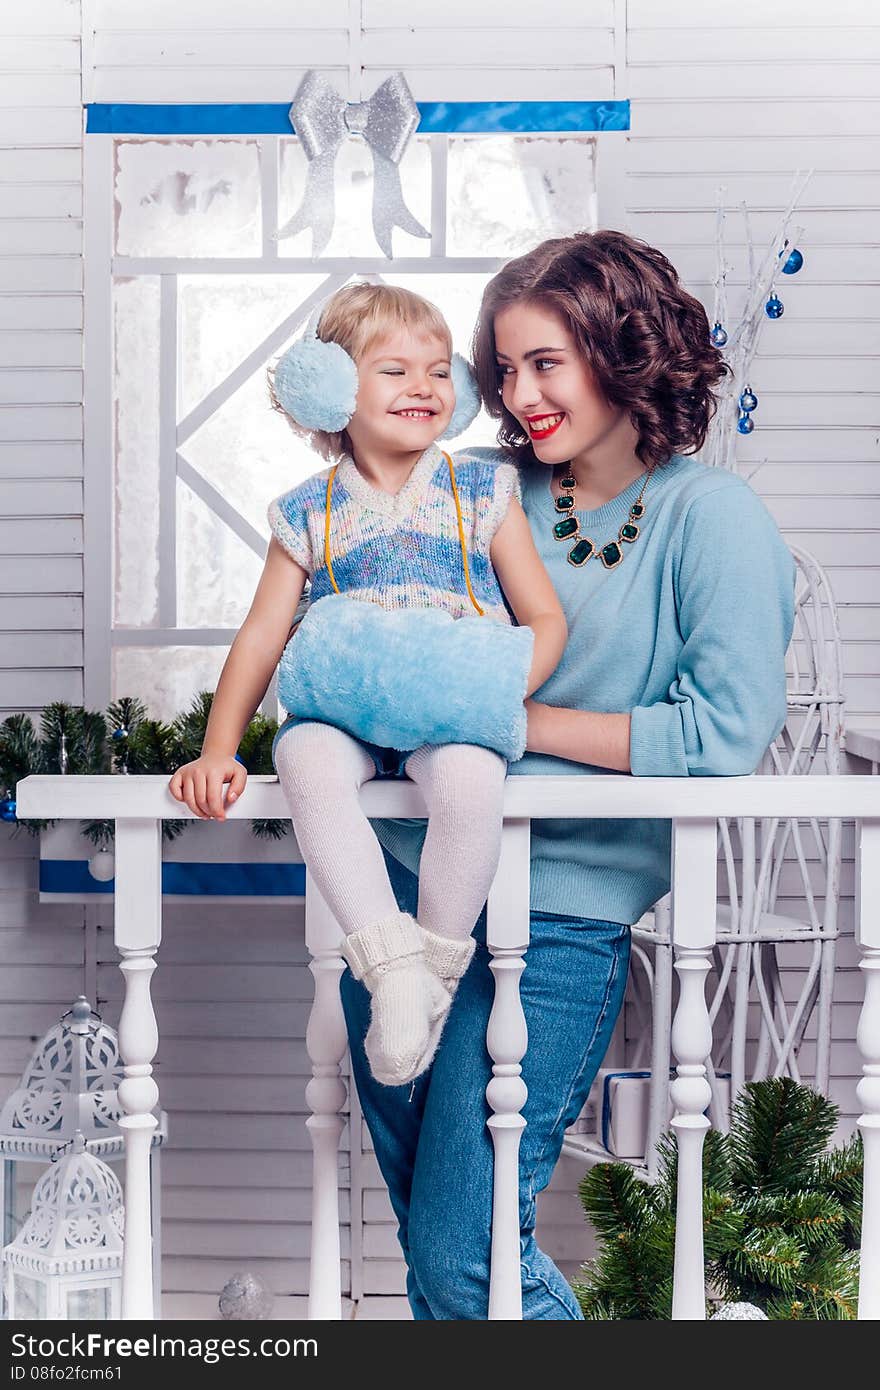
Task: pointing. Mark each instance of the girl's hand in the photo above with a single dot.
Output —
(200, 784)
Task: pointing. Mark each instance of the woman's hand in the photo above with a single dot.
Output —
(200, 784)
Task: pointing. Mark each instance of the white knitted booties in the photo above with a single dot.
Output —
(449, 959)
(407, 998)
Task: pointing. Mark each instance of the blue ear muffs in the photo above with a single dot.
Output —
(467, 397)
(316, 382)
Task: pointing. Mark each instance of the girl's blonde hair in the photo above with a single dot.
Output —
(356, 317)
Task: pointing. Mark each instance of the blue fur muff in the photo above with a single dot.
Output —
(410, 676)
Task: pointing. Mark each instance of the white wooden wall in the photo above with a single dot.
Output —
(739, 92)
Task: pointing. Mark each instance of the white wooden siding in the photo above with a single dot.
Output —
(40, 355)
(744, 94)
(741, 91)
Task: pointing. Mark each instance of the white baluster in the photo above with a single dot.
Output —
(694, 850)
(326, 1041)
(658, 1105)
(507, 936)
(137, 933)
(868, 1038)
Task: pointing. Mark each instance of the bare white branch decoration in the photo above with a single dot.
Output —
(739, 342)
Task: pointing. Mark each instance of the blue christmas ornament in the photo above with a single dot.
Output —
(7, 809)
(119, 733)
(718, 335)
(774, 308)
(794, 262)
(748, 400)
(745, 424)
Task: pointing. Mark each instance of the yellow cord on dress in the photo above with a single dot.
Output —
(467, 573)
(327, 560)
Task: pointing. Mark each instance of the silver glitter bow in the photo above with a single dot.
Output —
(322, 120)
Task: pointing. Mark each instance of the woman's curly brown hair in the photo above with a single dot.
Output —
(645, 339)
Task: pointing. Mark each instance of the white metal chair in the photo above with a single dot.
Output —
(762, 861)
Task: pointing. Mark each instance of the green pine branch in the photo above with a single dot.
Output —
(779, 1216)
(125, 740)
(778, 1132)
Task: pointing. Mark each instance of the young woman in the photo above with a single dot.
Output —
(678, 592)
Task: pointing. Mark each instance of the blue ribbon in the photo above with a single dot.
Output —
(435, 117)
(186, 879)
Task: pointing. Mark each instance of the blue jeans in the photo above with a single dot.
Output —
(434, 1150)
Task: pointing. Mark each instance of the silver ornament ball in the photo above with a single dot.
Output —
(739, 1312)
(245, 1298)
(102, 865)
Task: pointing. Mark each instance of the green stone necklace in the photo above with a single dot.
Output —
(611, 554)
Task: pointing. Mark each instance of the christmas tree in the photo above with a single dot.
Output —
(781, 1216)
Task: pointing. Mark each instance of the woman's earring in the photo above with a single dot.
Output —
(316, 383)
(467, 397)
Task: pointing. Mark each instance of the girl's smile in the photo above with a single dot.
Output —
(405, 401)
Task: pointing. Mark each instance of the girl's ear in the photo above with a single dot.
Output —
(467, 397)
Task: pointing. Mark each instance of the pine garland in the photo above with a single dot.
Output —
(125, 740)
(781, 1216)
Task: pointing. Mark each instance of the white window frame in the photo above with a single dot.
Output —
(101, 265)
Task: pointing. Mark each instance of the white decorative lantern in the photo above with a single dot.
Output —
(69, 1087)
(65, 1263)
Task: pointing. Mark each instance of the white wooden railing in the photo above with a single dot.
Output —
(139, 803)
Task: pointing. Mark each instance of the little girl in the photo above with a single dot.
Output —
(396, 522)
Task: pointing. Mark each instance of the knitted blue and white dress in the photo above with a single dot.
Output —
(402, 550)
(406, 678)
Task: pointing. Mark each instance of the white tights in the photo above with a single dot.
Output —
(322, 769)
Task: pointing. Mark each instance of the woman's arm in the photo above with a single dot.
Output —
(582, 736)
(529, 591)
(734, 613)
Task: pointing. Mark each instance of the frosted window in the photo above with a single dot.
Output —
(249, 453)
(188, 198)
(353, 227)
(136, 388)
(166, 678)
(217, 573)
(201, 198)
(508, 192)
(225, 317)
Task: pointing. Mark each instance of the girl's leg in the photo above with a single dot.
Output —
(463, 787)
(572, 990)
(321, 770)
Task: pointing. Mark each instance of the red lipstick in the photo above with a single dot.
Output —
(544, 433)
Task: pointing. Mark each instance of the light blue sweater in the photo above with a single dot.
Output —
(688, 635)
